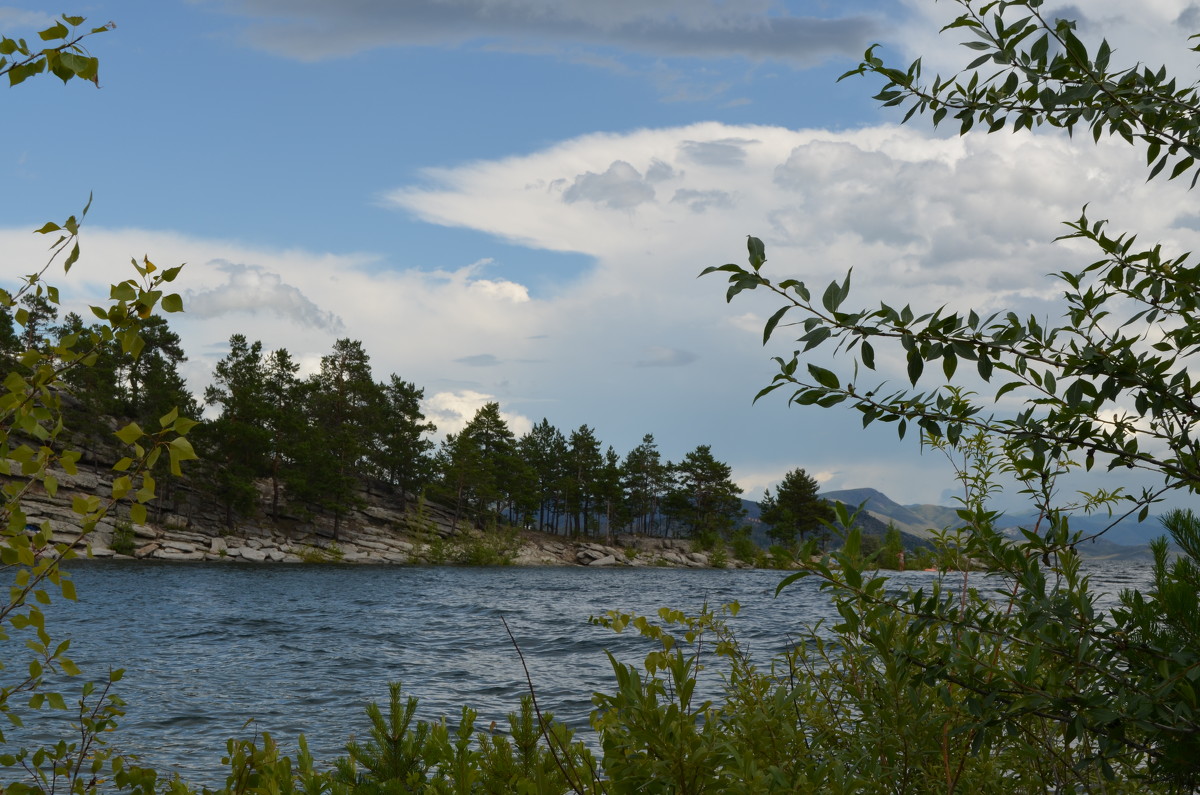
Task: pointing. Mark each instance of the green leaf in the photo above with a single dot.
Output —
(121, 486)
(130, 433)
(183, 425)
(1182, 166)
(181, 450)
(815, 337)
(758, 252)
(1009, 387)
(125, 291)
(949, 364)
(168, 418)
(774, 321)
(172, 303)
(137, 513)
(825, 378)
(832, 298)
(984, 366)
(59, 31)
(916, 365)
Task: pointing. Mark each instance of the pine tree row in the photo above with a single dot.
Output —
(318, 440)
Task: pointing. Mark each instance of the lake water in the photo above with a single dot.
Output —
(301, 649)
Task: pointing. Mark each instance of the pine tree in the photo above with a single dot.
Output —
(544, 451)
(584, 465)
(342, 403)
(401, 453)
(282, 417)
(151, 377)
(489, 434)
(95, 386)
(795, 510)
(703, 497)
(36, 315)
(237, 440)
(610, 493)
(645, 477)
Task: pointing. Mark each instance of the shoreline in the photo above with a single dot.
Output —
(385, 528)
(376, 546)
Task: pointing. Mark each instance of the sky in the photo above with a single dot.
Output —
(510, 200)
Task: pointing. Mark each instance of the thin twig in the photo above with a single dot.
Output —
(542, 723)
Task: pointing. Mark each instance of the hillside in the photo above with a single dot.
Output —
(911, 520)
(1128, 539)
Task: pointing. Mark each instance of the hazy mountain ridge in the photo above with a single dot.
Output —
(1127, 539)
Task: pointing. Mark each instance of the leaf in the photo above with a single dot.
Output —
(125, 291)
(121, 486)
(774, 321)
(916, 365)
(137, 513)
(832, 298)
(146, 492)
(868, 355)
(1010, 386)
(59, 31)
(825, 378)
(130, 433)
(1182, 166)
(180, 450)
(758, 252)
(815, 337)
(985, 366)
(183, 425)
(172, 303)
(949, 364)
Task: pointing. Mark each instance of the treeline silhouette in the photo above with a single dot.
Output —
(318, 440)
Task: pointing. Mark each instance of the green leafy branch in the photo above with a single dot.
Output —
(1046, 75)
(65, 61)
(1077, 373)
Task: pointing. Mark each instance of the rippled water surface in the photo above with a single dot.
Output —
(302, 649)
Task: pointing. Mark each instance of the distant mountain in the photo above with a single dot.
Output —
(915, 520)
(869, 522)
(1127, 532)
(1127, 539)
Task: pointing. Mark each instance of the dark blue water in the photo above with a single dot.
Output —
(301, 649)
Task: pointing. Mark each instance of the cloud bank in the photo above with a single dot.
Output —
(315, 29)
(636, 344)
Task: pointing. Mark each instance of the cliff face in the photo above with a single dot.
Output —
(185, 524)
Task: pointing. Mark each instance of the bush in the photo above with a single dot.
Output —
(492, 548)
(780, 557)
(123, 538)
(331, 553)
(743, 546)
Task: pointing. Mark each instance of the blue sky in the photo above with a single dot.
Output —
(509, 199)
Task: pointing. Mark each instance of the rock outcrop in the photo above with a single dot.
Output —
(185, 525)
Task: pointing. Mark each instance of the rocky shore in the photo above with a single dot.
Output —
(383, 530)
